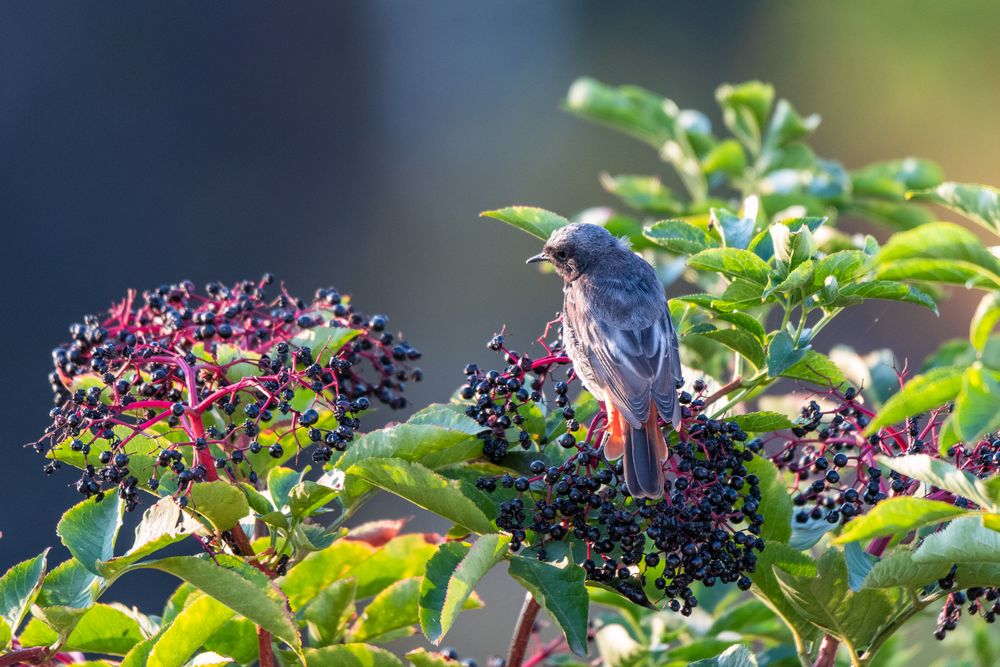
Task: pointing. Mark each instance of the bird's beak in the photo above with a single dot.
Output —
(541, 257)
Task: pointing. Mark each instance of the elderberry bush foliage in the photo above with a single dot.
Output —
(571, 499)
(175, 386)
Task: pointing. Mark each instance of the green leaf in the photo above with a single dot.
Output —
(736, 655)
(561, 592)
(745, 108)
(235, 584)
(5, 634)
(976, 407)
(896, 216)
(536, 221)
(898, 516)
(425, 488)
(736, 230)
(351, 655)
(19, 587)
(70, 584)
(775, 504)
(782, 354)
(163, 524)
(943, 252)
(679, 237)
(401, 557)
(647, 117)
(726, 157)
(257, 501)
(761, 422)
(935, 472)
(393, 610)
(775, 557)
(328, 613)
(237, 639)
(89, 530)
(985, 319)
(964, 540)
(421, 658)
(306, 497)
(801, 277)
(279, 485)
(324, 342)
(787, 126)
(220, 502)
(732, 262)
(101, 629)
(319, 569)
(885, 289)
(451, 576)
(898, 570)
(924, 392)
(979, 203)
(740, 341)
(891, 179)
(645, 193)
(827, 601)
(816, 368)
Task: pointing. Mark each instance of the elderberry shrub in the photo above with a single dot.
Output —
(705, 529)
(832, 463)
(174, 387)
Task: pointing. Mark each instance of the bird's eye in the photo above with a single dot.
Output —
(561, 254)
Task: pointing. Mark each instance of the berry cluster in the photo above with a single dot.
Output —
(706, 528)
(832, 464)
(981, 601)
(173, 386)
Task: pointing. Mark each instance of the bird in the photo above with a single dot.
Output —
(622, 344)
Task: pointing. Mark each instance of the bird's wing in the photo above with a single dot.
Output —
(624, 328)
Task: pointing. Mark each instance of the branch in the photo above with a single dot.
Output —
(827, 655)
(522, 631)
(724, 390)
(30, 656)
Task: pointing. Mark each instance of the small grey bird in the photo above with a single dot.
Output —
(623, 346)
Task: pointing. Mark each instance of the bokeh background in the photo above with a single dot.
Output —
(353, 144)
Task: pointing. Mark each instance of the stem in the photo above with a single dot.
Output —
(827, 655)
(522, 631)
(31, 656)
(265, 650)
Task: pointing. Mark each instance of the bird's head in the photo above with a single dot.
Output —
(575, 248)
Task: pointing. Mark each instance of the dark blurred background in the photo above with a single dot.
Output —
(353, 144)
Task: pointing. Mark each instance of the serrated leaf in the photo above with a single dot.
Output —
(827, 601)
(427, 489)
(561, 592)
(68, 585)
(328, 613)
(536, 221)
(816, 368)
(100, 629)
(745, 108)
(740, 341)
(237, 638)
(307, 496)
(324, 342)
(775, 504)
(885, 289)
(89, 530)
(220, 502)
(787, 126)
(452, 574)
(949, 253)
(777, 556)
(679, 237)
(782, 354)
(645, 193)
(163, 524)
(898, 516)
(19, 587)
(392, 612)
(736, 230)
(976, 407)
(319, 569)
(979, 203)
(898, 570)
(732, 262)
(761, 422)
(726, 157)
(235, 584)
(942, 474)
(422, 658)
(351, 655)
(964, 540)
(921, 393)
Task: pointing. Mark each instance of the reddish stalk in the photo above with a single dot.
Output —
(37, 655)
(827, 655)
(522, 631)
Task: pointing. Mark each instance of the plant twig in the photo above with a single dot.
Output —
(724, 390)
(26, 656)
(522, 631)
(265, 651)
(827, 655)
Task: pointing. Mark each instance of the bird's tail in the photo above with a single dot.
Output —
(643, 450)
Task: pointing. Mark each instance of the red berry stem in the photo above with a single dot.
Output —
(523, 631)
